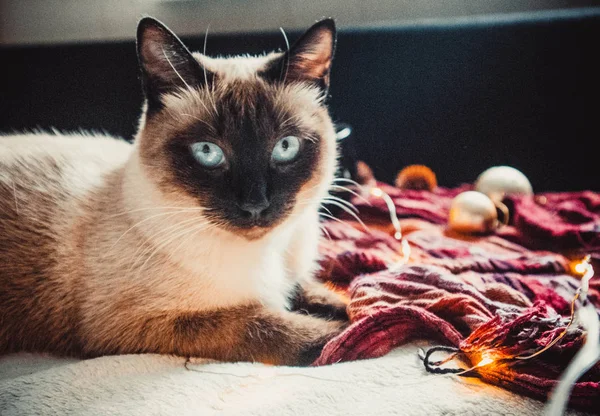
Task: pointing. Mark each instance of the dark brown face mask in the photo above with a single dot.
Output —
(248, 159)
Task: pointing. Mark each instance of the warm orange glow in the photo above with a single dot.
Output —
(581, 267)
(485, 360)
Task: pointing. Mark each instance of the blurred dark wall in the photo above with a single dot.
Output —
(458, 96)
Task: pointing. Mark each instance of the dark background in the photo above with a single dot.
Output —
(459, 96)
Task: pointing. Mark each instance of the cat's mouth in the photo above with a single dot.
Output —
(264, 222)
(254, 226)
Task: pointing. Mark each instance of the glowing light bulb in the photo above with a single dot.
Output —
(376, 192)
(485, 360)
(581, 267)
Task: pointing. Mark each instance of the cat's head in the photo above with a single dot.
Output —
(249, 139)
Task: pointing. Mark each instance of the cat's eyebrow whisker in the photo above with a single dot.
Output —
(200, 120)
(287, 120)
(311, 138)
(209, 93)
(174, 69)
(286, 55)
(202, 102)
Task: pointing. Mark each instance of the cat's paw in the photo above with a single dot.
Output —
(311, 350)
(336, 311)
(316, 299)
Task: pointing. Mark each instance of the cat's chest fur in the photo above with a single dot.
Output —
(183, 269)
(224, 271)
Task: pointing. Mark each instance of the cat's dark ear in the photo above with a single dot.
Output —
(309, 59)
(165, 63)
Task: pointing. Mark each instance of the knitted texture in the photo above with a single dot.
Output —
(476, 293)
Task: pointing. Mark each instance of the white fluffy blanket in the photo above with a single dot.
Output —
(160, 385)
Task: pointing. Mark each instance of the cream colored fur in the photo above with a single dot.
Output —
(123, 250)
(211, 269)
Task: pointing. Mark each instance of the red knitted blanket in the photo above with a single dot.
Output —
(468, 292)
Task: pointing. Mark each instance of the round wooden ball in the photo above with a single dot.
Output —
(500, 181)
(472, 212)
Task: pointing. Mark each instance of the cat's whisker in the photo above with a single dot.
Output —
(327, 209)
(287, 57)
(152, 250)
(202, 103)
(324, 229)
(287, 120)
(211, 93)
(356, 194)
(193, 232)
(174, 69)
(331, 217)
(353, 182)
(341, 201)
(350, 212)
(163, 231)
(141, 222)
(145, 245)
(312, 187)
(165, 243)
(190, 209)
(312, 139)
(200, 120)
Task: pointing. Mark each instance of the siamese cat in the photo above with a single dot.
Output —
(200, 238)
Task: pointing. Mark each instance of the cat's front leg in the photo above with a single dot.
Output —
(311, 296)
(245, 333)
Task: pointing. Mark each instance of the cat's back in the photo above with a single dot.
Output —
(45, 183)
(32, 148)
(42, 174)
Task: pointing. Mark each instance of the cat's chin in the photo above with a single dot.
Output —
(253, 233)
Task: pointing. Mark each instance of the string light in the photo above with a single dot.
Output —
(581, 267)
(584, 359)
(588, 354)
(485, 360)
(405, 247)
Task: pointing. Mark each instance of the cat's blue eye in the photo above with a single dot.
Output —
(208, 154)
(286, 150)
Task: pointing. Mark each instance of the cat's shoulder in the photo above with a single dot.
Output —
(62, 142)
(57, 145)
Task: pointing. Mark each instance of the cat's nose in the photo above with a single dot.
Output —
(253, 209)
